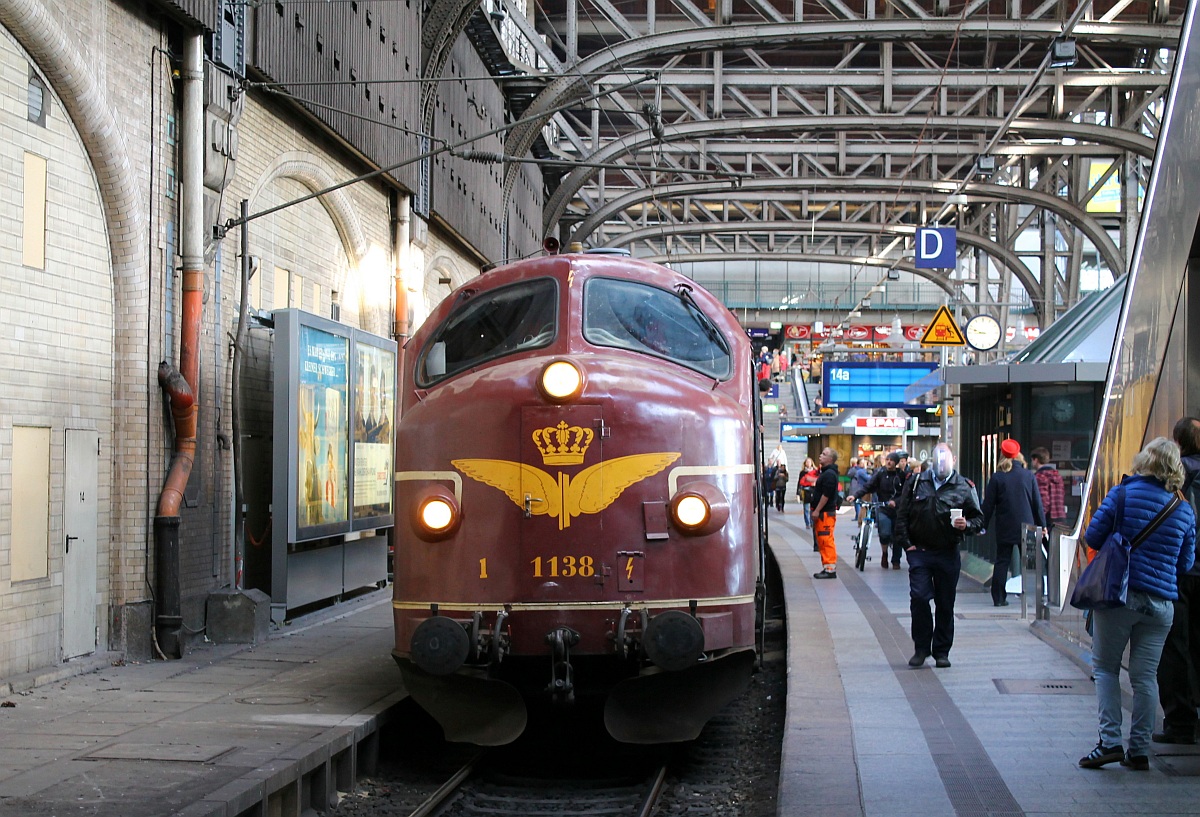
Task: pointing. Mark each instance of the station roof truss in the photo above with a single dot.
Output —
(829, 129)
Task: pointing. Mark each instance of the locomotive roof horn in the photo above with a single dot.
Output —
(551, 245)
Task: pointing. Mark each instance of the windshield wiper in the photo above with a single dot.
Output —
(710, 329)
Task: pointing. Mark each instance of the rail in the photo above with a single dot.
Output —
(435, 801)
(509, 795)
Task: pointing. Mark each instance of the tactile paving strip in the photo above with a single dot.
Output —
(971, 780)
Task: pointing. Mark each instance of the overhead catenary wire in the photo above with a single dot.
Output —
(445, 148)
(1018, 106)
(652, 110)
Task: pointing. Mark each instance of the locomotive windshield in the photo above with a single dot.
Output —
(490, 325)
(642, 318)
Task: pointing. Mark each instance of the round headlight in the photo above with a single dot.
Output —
(692, 511)
(699, 509)
(562, 380)
(437, 515)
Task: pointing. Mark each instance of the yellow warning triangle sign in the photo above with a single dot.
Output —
(943, 331)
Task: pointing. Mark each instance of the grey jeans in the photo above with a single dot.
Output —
(1143, 624)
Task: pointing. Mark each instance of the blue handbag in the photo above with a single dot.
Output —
(1104, 583)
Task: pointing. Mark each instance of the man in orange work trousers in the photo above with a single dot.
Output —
(823, 499)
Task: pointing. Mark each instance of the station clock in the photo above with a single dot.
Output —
(983, 332)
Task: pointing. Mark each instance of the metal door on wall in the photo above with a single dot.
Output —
(79, 542)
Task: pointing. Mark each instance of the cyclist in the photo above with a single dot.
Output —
(885, 484)
(858, 478)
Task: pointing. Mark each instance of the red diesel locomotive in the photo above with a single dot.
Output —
(577, 515)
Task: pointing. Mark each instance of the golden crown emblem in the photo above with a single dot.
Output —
(563, 444)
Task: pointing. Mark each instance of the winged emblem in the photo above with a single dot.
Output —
(590, 491)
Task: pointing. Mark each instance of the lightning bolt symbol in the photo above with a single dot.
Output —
(629, 569)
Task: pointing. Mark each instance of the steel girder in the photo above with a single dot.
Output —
(932, 276)
(905, 99)
(1003, 255)
(837, 189)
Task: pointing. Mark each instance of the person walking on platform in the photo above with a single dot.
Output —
(1050, 483)
(1011, 495)
(808, 478)
(768, 482)
(1179, 668)
(885, 485)
(937, 508)
(823, 502)
(781, 481)
(1155, 568)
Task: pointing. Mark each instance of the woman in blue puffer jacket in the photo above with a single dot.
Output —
(1154, 570)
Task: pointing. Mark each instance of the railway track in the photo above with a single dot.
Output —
(488, 793)
(566, 764)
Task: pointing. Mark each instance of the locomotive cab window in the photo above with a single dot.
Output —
(490, 325)
(653, 321)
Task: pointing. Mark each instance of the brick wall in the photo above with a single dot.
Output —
(84, 337)
(57, 345)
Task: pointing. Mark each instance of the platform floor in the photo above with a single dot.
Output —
(270, 729)
(999, 732)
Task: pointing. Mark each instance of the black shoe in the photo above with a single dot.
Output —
(1178, 738)
(1101, 756)
(825, 574)
(1139, 763)
(918, 659)
(895, 565)
(884, 565)
(1000, 603)
(941, 661)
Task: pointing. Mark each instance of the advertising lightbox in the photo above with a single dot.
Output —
(334, 398)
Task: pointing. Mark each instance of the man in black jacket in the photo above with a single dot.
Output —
(885, 485)
(823, 499)
(938, 507)
(1179, 667)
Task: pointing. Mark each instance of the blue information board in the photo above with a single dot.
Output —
(797, 432)
(871, 385)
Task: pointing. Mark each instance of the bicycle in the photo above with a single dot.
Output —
(866, 532)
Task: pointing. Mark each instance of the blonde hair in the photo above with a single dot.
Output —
(1006, 463)
(809, 464)
(1160, 459)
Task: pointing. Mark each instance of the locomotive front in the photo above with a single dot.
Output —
(576, 514)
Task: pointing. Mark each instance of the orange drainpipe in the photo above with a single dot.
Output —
(183, 385)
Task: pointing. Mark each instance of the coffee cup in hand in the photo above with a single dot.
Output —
(955, 513)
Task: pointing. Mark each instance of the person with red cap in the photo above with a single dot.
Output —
(1011, 495)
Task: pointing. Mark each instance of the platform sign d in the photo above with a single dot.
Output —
(937, 248)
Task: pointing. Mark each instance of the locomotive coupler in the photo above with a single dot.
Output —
(476, 638)
(499, 645)
(627, 644)
(562, 685)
